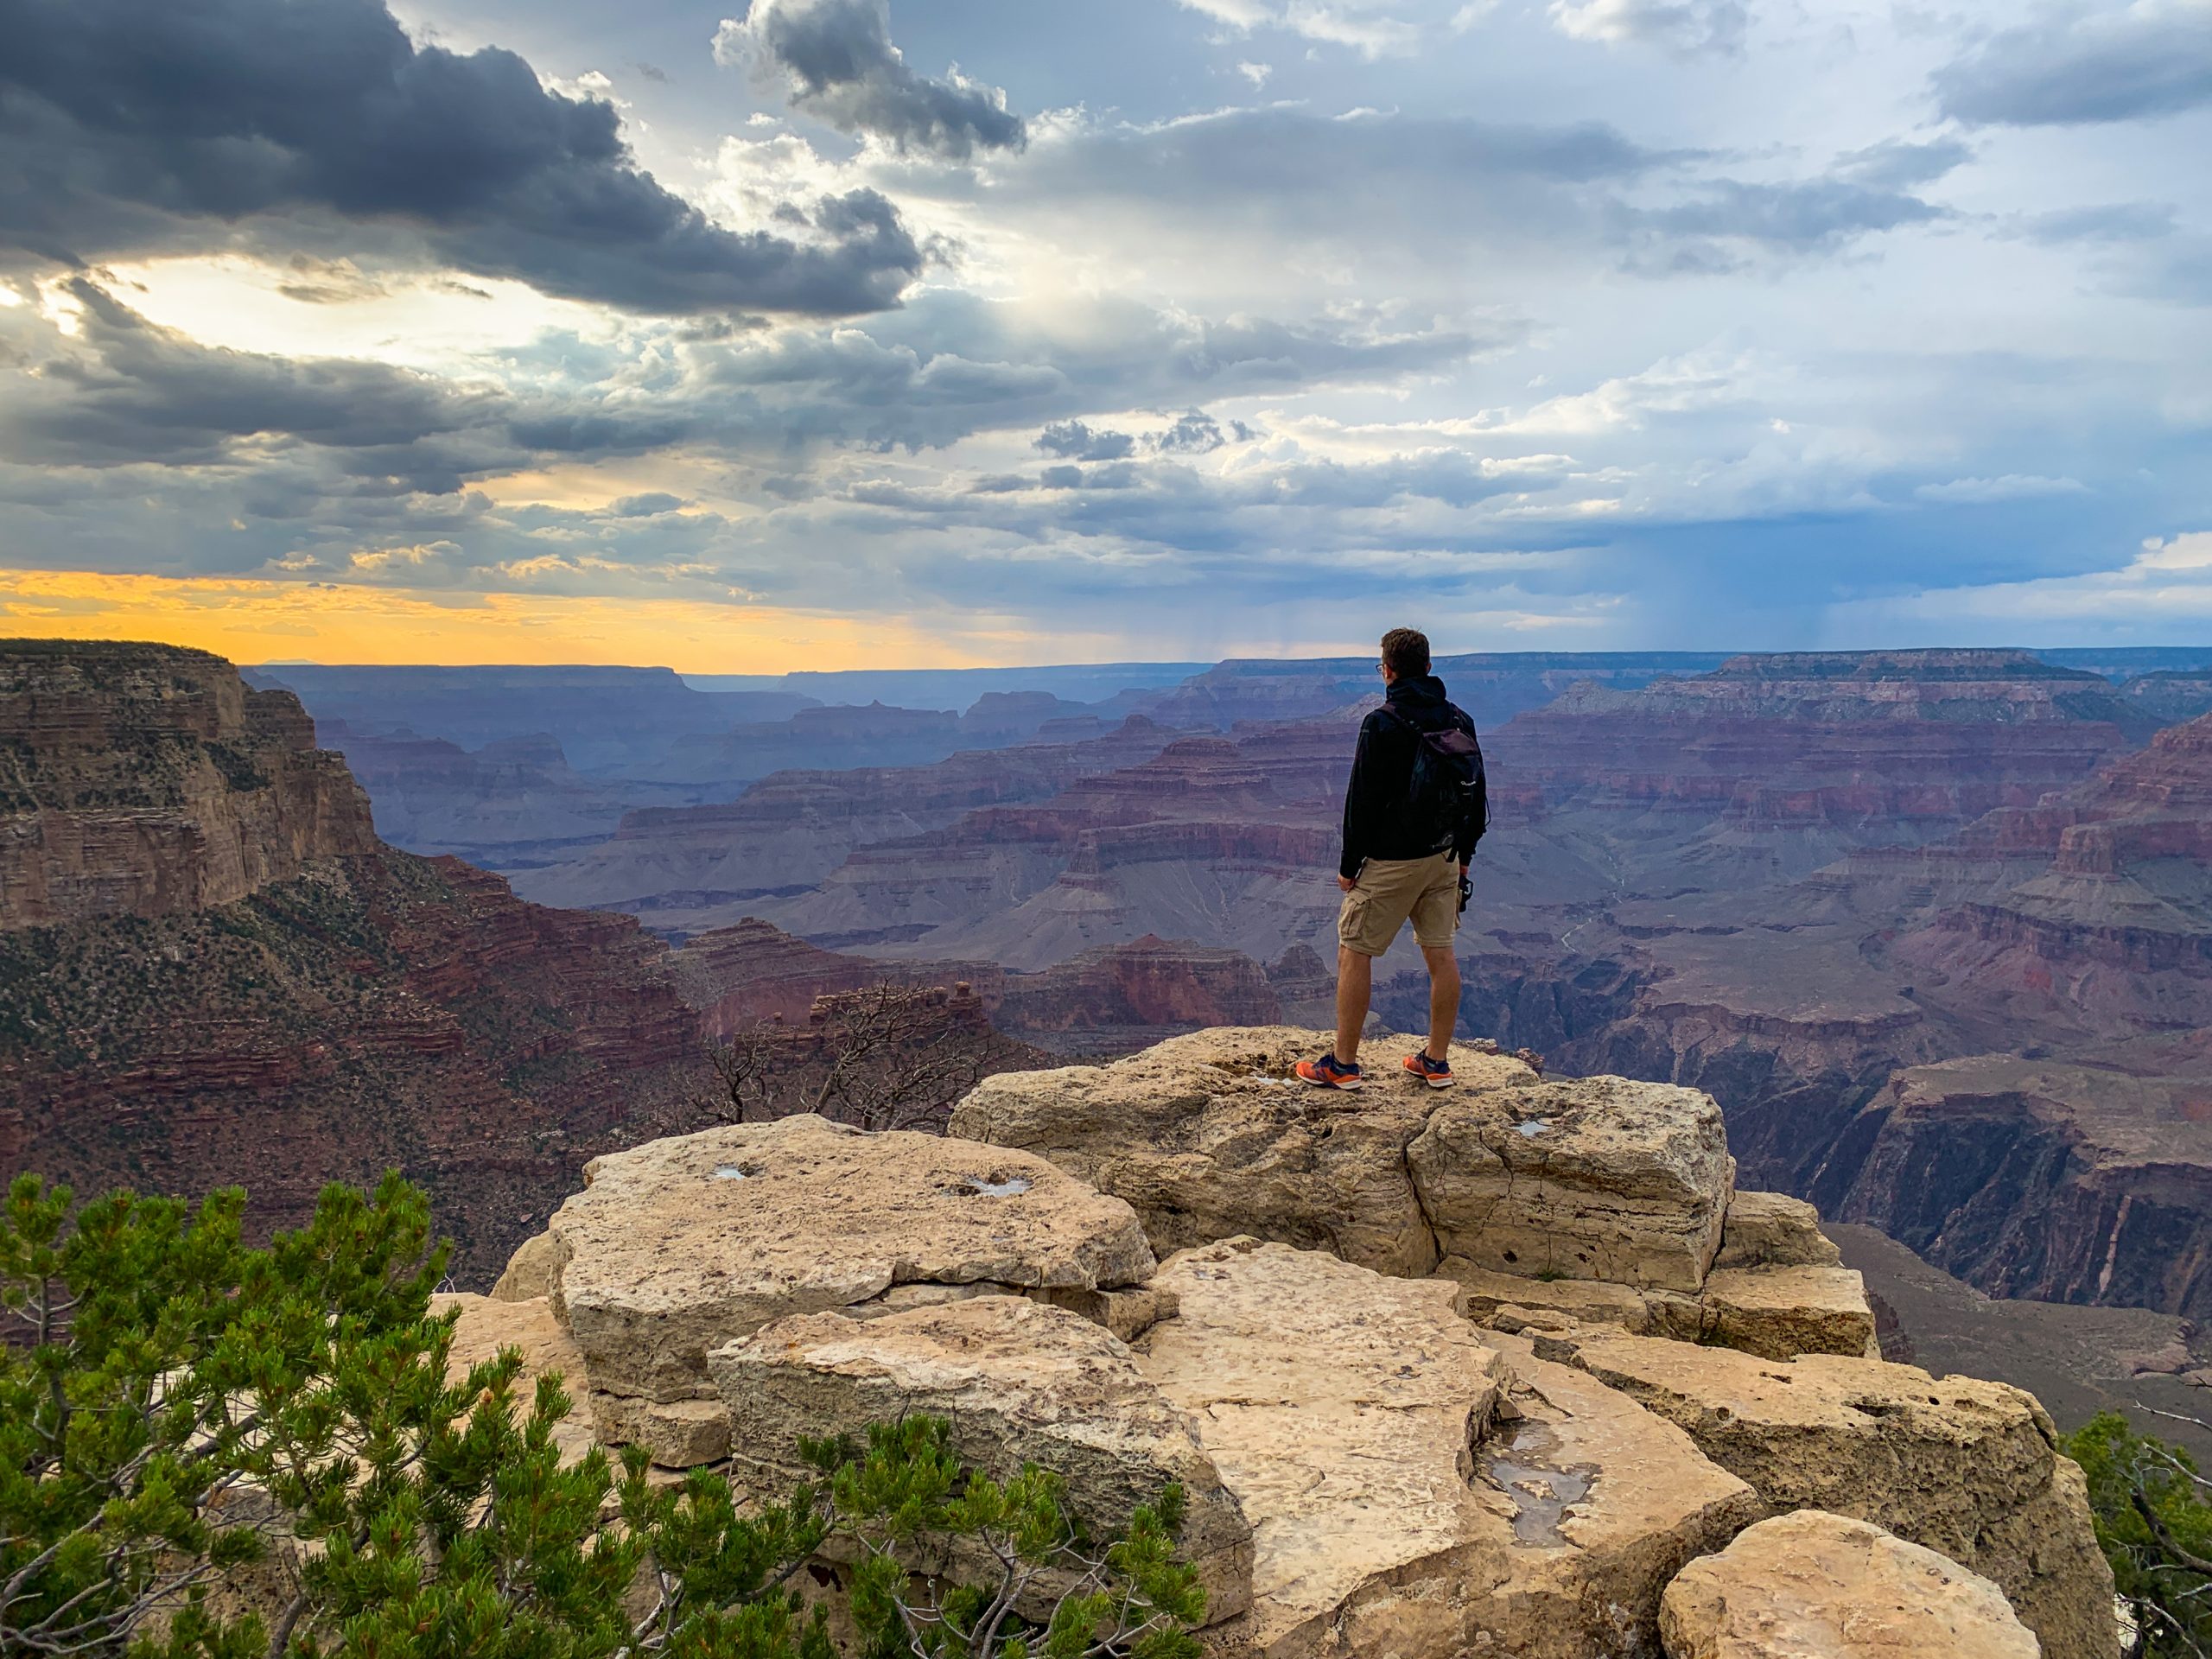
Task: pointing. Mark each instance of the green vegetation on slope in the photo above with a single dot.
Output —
(2154, 1522)
(214, 1452)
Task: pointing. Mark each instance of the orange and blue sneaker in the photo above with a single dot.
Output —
(1328, 1072)
(1437, 1074)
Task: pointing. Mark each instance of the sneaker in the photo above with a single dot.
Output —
(1437, 1074)
(1327, 1073)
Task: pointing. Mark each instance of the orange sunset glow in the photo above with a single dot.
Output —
(251, 621)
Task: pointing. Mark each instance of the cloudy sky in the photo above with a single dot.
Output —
(839, 332)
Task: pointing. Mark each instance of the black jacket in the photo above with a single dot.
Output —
(1382, 772)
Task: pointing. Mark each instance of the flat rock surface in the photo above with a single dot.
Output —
(1779, 1312)
(1585, 1301)
(1606, 1503)
(1359, 1419)
(1342, 1408)
(683, 1244)
(1772, 1229)
(1210, 1135)
(1773, 1312)
(486, 1326)
(1590, 1178)
(1020, 1382)
(1965, 1467)
(1814, 1586)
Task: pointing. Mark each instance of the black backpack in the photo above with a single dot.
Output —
(1448, 786)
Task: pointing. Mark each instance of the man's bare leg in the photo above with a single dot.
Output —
(1355, 985)
(1443, 998)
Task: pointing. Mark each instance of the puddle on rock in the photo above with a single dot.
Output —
(1540, 1495)
(1534, 1127)
(1005, 1189)
(734, 1173)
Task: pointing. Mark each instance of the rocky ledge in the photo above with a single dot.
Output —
(1512, 1369)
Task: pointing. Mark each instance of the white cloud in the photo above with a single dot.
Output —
(1374, 29)
(1683, 27)
(592, 83)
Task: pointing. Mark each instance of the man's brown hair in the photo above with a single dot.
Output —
(1405, 652)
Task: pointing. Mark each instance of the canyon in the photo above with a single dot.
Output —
(213, 969)
(1934, 927)
(1840, 892)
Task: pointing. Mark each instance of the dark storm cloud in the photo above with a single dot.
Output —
(649, 504)
(1172, 509)
(1197, 433)
(1439, 186)
(1814, 216)
(134, 126)
(952, 365)
(123, 391)
(1073, 441)
(836, 62)
(2083, 65)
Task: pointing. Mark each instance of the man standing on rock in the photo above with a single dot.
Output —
(1413, 811)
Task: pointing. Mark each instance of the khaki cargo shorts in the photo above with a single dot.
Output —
(1391, 890)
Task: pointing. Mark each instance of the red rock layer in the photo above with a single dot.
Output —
(2115, 930)
(211, 972)
(379, 1011)
(1148, 983)
(684, 868)
(1916, 740)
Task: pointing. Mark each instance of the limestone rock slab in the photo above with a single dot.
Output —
(486, 1326)
(1967, 1468)
(1409, 1491)
(534, 1270)
(1771, 1229)
(1779, 1312)
(1774, 1313)
(1814, 1586)
(683, 1244)
(1583, 1301)
(676, 1434)
(1586, 1178)
(1209, 1136)
(1020, 1382)
(1609, 1503)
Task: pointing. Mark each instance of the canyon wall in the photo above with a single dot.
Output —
(211, 970)
(149, 780)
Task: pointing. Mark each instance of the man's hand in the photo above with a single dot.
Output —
(1346, 883)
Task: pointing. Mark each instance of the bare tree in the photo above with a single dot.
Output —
(888, 1056)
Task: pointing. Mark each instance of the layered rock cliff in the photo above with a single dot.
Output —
(144, 780)
(513, 802)
(694, 868)
(212, 971)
